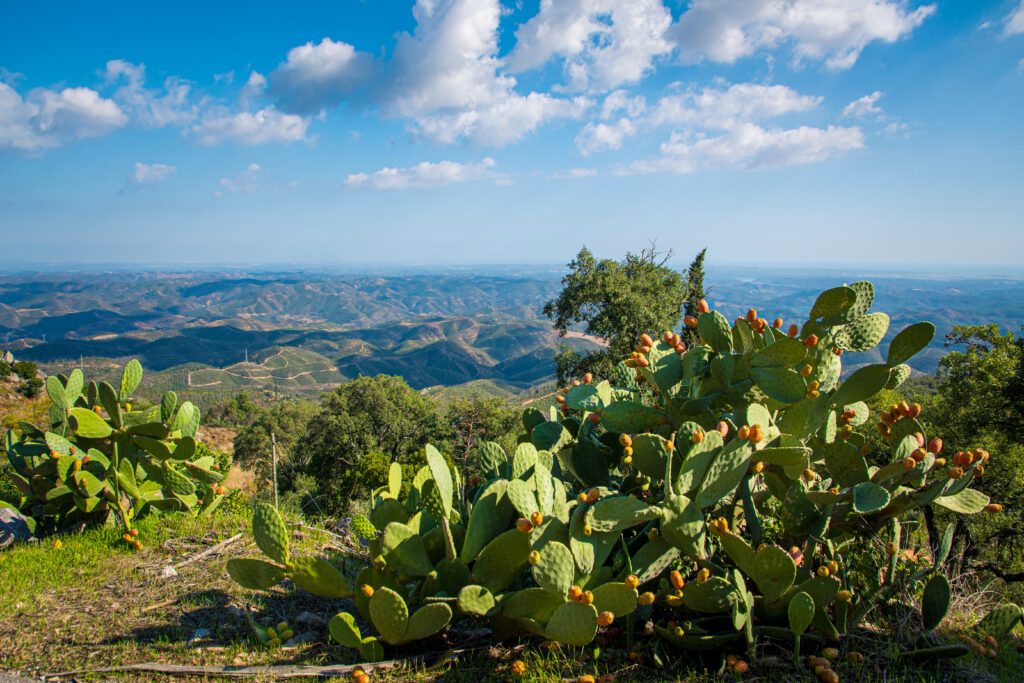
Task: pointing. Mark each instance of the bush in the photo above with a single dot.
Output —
(26, 370)
(5, 369)
(30, 388)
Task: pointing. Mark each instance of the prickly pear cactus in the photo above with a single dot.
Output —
(706, 487)
(97, 457)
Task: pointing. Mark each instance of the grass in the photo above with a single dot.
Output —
(93, 603)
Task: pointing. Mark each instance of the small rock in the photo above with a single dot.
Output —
(13, 527)
(200, 634)
(169, 573)
(305, 637)
(309, 619)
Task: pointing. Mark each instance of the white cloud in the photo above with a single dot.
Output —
(597, 137)
(750, 147)
(446, 78)
(425, 174)
(48, 118)
(150, 107)
(317, 76)
(1015, 21)
(723, 107)
(620, 100)
(832, 30)
(148, 174)
(247, 181)
(605, 43)
(152, 173)
(220, 124)
(717, 107)
(575, 173)
(864, 106)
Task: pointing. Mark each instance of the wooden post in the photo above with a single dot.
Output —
(273, 449)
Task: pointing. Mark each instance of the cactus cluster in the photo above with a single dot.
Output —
(97, 457)
(718, 490)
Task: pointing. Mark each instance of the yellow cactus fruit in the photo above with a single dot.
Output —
(646, 598)
(844, 596)
(757, 467)
(534, 556)
(703, 575)
(625, 440)
(632, 581)
(605, 618)
(823, 571)
(587, 598)
(830, 653)
(582, 498)
(587, 530)
(855, 658)
(367, 590)
(586, 678)
(833, 566)
(891, 548)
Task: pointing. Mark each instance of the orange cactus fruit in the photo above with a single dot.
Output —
(680, 348)
(740, 667)
(625, 440)
(909, 463)
(582, 498)
(594, 417)
(593, 495)
(586, 678)
(891, 548)
(646, 598)
(632, 581)
(723, 428)
(956, 472)
(587, 598)
(690, 321)
(915, 410)
(793, 330)
(757, 467)
(743, 433)
(703, 575)
(919, 454)
(844, 596)
(806, 371)
(605, 618)
(837, 351)
(676, 579)
(823, 571)
(559, 399)
(935, 445)
(134, 533)
(588, 378)
(575, 593)
(537, 518)
(519, 667)
(523, 525)
(811, 340)
(643, 362)
(698, 436)
(777, 323)
(751, 314)
(702, 306)
(575, 382)
(993, 507)
(367, 590)
(646, 340)
(904, 408)
(667, 337)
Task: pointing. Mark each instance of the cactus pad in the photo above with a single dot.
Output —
(344, 629)
(556, 569)
(864, 333)
(254, 574)
(270, 533)
(427, 620)
(800, 612)
(715, 330)
(390, 615)
(318, 577)
(908, 342)
(405, 551)
(935, 601)
(1001, 620)
(476, 600)
(967, 501)
(572, 624)
(490, 516)
(869, 497)
(714, 595)
(614, 597)
(502, 560)
(619, 513)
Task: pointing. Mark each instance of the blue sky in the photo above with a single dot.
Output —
(792, 132)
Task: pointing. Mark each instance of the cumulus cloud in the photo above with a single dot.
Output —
(597, 137)
(149, 107)
(220, 124)
(425, 174)
(750, 147)
(864, 106)
(446, 78)
(47, 118)
(317, 76)
(836, 31)
(1015, 21)
(148, 174)
(604, 43)
(716, 107)
(247, 181)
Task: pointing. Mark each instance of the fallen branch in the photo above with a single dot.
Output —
(206, 553)
(279, 672)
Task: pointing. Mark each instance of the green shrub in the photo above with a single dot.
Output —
(720, 491)
(26, 370)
